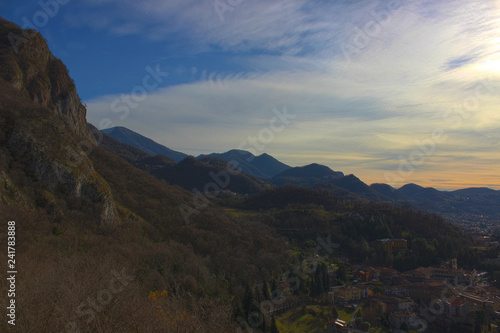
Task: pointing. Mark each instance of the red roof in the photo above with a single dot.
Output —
(457, 302)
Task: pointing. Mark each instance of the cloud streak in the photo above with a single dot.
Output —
(356, 114)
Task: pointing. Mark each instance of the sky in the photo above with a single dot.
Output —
(392, 91)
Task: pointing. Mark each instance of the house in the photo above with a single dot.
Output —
(387, 304)
(387, 273)
(396, 290)
(426, 291)
(399, 317)
(405, 303)
(362, 275)
(365, 290)
(391, 245)
(374, 273)
(457, 306)
(348, 293)
(286, 288)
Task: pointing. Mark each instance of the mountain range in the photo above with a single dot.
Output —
(263, 166)
(466, 205)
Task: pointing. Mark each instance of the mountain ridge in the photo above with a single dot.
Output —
(139, 141)
(459, 205)
(263, 166)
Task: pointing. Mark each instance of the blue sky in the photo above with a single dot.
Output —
(392, 91)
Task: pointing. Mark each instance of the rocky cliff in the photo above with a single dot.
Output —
(45, 131)
(28, 65)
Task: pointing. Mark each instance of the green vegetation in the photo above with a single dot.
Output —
(298, 213)
(305, 319)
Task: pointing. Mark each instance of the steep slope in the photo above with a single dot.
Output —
(211, 176)
(189, 174)
(143, 143)
(125, 151)
(29, 67)
(355, 185)
(322, 177)
(416, 192)
(37, 101)
(389, 192)
(263, 166)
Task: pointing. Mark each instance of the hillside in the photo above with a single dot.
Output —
(389, 192)
(322, 177)
(207, 174)
(467, 206)
(263, 166)
(147, 145)
(84, 215)
(302, 213)
(307, 175)
(206, 177)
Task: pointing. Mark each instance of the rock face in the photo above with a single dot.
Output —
(29, 66)
(50, 138)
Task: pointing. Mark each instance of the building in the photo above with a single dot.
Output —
(362, 275)
(391, 244)
(453, 264)
(479, 300)
(454, 275)
(405, 303)
(348, 294)
(427, 291)
(286, 288)
(387, 304)
(400, 290)
(457, 276)
(399, 317)
(365, 290)
(457, 306)
(420, 273)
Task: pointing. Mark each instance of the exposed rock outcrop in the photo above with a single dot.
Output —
(52, 145)
(29, 66)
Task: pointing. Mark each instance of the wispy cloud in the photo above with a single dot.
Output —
(358, 113)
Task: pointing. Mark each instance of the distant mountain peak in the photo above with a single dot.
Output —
(143, 143)
(263, 166)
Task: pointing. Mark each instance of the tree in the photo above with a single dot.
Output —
(378, 290)
(404, 327)
(265, 291)
(248, 300)
(274, 327)
(480, 321)
(365, 326)
(341, 274)
(335, 314)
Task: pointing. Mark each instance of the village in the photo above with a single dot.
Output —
(426, 299)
